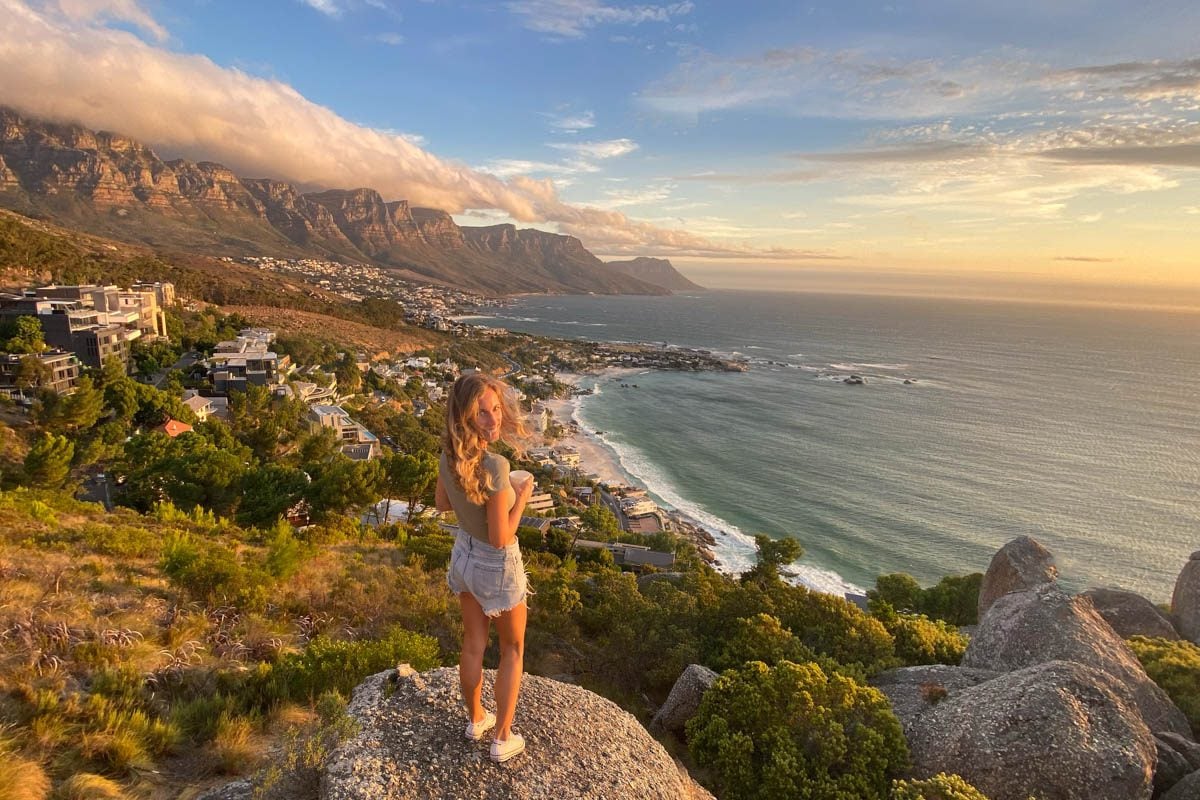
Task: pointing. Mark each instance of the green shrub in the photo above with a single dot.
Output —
(760, 638)
(213, 573)
(834, 627)
(434, 548)
(920, 640)
(329, 665)
(197, 717)
(792, 731)
(939, 787)
(1174, 666)
(954, 599)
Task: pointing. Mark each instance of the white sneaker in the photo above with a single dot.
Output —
(476, 730)
(514, 745)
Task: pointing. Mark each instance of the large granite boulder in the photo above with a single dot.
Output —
(684, 700)
(1019, 565)
(410, 745)
(914, 690)
(1045, 624)
(1058, 730)
(1130, 614)
(1186, 789)
(1185, 601)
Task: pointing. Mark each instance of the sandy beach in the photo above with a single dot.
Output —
(598, 459)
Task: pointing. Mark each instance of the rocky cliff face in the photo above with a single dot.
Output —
(117, 187)
(658, 271)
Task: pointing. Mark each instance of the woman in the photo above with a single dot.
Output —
(486, 571)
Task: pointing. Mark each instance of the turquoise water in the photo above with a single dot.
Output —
(1075, 425)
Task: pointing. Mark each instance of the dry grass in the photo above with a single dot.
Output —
(89, 786)
(235, 746)
(22, 779)
(372, 339)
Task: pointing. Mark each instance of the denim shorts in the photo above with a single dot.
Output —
(494, 576)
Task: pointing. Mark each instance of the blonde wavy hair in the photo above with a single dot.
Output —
(462, 444)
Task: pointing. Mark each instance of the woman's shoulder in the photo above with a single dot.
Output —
(494, 462)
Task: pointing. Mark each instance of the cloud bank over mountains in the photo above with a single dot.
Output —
(63, 60)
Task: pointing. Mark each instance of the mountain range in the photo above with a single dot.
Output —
(110, 185)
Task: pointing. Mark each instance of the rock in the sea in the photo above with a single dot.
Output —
(1185, 601)
(1186, 789)
(1045, 624)
(1059, 729)
(684, 700)
(914, 690)
(410, 745)
(1019, 565)
(1130, 614)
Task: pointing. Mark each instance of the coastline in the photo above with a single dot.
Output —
(728, 549)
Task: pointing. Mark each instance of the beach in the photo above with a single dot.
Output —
(597, 458)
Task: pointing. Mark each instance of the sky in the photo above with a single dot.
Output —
(761, 144)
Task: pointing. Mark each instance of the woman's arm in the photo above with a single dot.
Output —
(441, 499)
(504, 516)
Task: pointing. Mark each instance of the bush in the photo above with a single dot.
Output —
(834, 627)
(1174, 666)
(954, 599)
(760, 638)
(434, 548)
(792, 731)
(329, 665)
(939, 787)
(920, 640)
(213, 573)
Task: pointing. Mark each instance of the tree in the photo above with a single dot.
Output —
(22, 335)
(83, 407)
(268, 492)
(349, 378)
(793, 731)
(409, 476)
(772, 554)
(48, 462)
(342, 485)
(599, 519)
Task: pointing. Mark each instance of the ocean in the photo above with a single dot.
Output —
(977, 422)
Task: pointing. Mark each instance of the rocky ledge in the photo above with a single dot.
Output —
(410, 744)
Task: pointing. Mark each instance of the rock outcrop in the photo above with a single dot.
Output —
(1058, 729)
(1185, 600)
(1019, 565)
(684, 700)
(1045, 624)
(410, 744)
(914, 690)
(1130, 614)
(116, 187)
(1186, 789)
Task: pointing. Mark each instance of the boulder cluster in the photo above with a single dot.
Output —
(1049, 700)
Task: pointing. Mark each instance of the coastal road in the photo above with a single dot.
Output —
(614, 505)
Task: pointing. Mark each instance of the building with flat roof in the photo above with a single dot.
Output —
(63, 373)
(356, 441)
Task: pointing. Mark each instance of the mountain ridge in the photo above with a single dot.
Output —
(112, 185)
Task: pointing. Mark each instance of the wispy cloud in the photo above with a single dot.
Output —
(570, 19)
(611, 148)
(781, 176)
(571, 122)
(327, 7)
(1086, 259)
(71, 69)
(917, 152)
(394, 39)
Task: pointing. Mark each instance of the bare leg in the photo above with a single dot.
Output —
(511, 627)
(470, 663)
